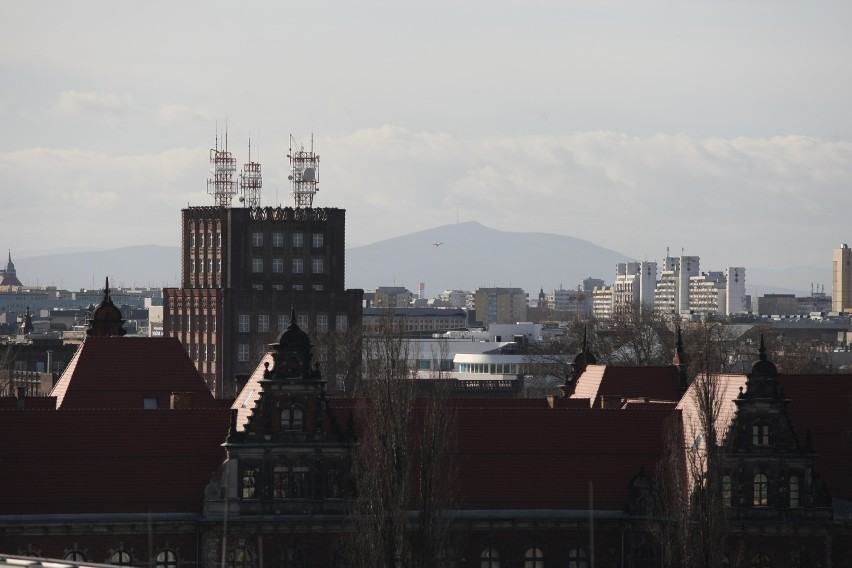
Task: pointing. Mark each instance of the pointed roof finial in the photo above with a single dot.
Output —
(762, 349)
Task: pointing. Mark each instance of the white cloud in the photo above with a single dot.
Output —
(90, 102)
(177, 115)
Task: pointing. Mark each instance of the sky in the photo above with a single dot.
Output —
(718, 128)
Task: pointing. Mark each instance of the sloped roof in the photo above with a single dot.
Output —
(119, 372)
(546, 459)
(598, 381)
(250, 393)
(822, 404)
(109, 461)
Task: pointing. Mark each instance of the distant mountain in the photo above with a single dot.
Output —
(144, 265)
(471, 256)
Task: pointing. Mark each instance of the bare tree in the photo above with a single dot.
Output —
(402, 466)
(636, 335)
(690, 519)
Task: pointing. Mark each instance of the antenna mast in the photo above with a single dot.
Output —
(222, 167)
(304, 173)
(250, 182)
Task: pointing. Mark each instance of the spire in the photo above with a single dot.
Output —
(106, 319)
(679, 361)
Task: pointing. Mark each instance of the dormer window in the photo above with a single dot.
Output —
(726, 491)
(760, 435)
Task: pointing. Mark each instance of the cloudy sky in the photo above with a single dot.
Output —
(721, 128)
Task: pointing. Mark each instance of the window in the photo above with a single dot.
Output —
(301, 482)
(298, 240)
(282, 323)
(298, 266)
(761, 490)
(75, 555)
(202, 240)
(317, 240)
(489, 558)
(278, 286)
(242, 352)
(533, 558)
(257, 265)
(280, 481)
(166, 559)
(293, 418)
(298, 287)
(241, 556)
(726, 490)
(322, 322)
(278, 240)
(210, 266)
(302, 320)
(120, 558)
(317, 287)
(333, 487)
(248, 482)
(257, 286)
(212, 352)
(278, 265)
(317, 266)
(219, 265)
(243, 325)
(760, 560)
(257, 239)
(192, 239)
(760, 435)
(149, 403)
(219, 240)
(263, 323)
(577, 558)
(341, 322)
(794, 491)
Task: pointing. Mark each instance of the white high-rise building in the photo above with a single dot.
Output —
(735, 288)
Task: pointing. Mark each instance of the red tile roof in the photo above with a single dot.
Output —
(598, 381)
(119, 372)
(109, 461)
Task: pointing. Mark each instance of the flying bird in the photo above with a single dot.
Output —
(438, 244)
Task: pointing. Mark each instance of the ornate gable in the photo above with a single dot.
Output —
(767, 474)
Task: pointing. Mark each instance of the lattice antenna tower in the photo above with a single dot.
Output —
(223, 165)
(250, 182)
(304, 173)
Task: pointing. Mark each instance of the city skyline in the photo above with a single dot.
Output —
(720, 130)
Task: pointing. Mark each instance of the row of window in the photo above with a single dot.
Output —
(166, 558)
(297, 267)
(263, 320)
(297, 240)
(493, 368)
(289, 482)
(296, 287)
(534, 558)
(760, 491)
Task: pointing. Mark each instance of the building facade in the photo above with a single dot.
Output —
(841, 277)
(243, 270)
(500, 305)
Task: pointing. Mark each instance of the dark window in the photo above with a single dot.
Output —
(761, 490)
(760, 435)
(726, 490)
(489, 558)
(166, 559)
(577, 558)
(534, 558)
(794, 491)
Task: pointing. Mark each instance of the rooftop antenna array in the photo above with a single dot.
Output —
(222, 168)
(250, 182)
(304, 173)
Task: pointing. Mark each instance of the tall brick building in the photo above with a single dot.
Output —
(242, 271)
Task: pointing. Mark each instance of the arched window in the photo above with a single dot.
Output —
(166, 559)
(534, 558)
(760, 435)
(293, 418)
(241, 556)
(75, 555)
(794, 491)
(726, 491)
(761, 490)
(293, 558)
(489, 558)
(577, 558)
(760, 560)
(120, 558)
(280, 481)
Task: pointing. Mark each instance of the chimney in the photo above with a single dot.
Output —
(180, 400)
(611, 401)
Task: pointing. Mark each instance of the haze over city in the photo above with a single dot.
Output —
(720, 129)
